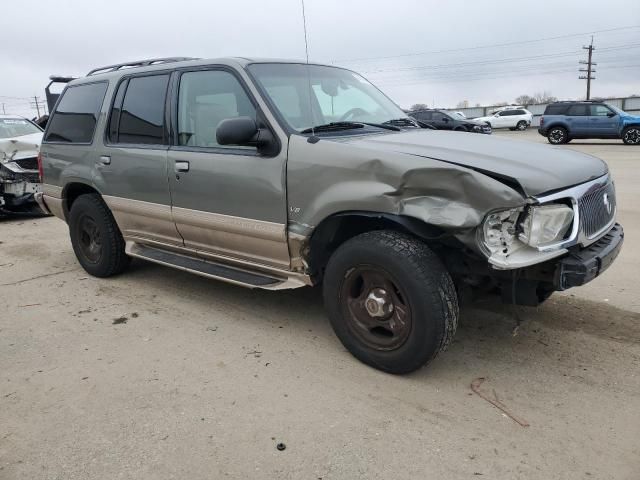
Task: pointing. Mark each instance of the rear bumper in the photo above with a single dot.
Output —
(582, 266)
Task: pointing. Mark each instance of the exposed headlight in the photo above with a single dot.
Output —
(546, 224)
(499, 230)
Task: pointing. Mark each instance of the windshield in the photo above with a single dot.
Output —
(616, 109)
(337, 95)
(16, 127)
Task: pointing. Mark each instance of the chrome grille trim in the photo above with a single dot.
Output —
(595, 212)
(588, 224)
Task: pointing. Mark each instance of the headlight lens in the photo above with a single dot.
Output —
(545, 225)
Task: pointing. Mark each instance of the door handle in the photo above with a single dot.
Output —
(105, 159)
(181, 166)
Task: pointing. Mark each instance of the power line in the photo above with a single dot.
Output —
(478, 47)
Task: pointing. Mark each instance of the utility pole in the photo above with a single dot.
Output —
(3, 110)
(589, 70)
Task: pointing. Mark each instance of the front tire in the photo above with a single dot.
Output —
(96, 238)
(631, 135)
(390, 300)
(557, 135)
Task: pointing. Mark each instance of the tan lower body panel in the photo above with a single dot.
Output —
(215, 235)
(52, 198)
(140, 219)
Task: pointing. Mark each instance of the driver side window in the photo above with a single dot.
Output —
(204, 100)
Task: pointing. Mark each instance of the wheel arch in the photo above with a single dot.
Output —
(72, 190)
(339, 227)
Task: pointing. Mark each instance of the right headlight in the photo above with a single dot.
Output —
(545, 225)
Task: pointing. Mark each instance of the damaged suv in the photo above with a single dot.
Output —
(272, 174)
(19, 143)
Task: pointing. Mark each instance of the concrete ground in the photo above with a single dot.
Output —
(158, 374)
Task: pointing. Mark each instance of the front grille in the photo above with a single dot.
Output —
(597, 209)
(28, 163)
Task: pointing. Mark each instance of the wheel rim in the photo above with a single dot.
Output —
(376, 310)
(556, 136)
(89, 239)
(632, 136)
(521, 126)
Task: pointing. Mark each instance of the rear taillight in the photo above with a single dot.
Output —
(40, 170)
(541, 121)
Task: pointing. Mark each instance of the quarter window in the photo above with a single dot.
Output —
(75, 118)
(205, 99)
(140, 120)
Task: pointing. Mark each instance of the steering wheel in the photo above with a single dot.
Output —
(353, 112)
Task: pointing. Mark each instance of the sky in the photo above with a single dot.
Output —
(417, 51)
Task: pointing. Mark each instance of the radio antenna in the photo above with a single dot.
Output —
(306, 51)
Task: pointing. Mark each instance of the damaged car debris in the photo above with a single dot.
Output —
(272, 174)
(19, 179)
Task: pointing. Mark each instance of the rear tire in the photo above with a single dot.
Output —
(557, 135)
(390, 300)
(96, 238)
(521, 125)
(631, 135)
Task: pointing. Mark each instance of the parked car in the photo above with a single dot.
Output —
(564, 121)
(442, 120)
(19, 144)
(273, 174)
(511, 118)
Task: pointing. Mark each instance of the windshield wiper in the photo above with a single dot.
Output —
(336, 126)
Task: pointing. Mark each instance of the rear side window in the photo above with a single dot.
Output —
(137, 116)
(579, 110)
(75, 118)
(555, 110)
(519, 112)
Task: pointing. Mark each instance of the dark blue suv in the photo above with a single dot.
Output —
(564, 121)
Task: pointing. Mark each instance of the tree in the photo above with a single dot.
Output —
(525, 100)
(418, 106)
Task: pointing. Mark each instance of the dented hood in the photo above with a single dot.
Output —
(533, 167)
(24, 146)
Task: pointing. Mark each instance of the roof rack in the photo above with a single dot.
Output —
(139, 63)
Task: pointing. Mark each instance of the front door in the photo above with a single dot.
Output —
(227, 201)
(603, 121)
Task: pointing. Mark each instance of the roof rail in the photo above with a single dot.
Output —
(139, 63)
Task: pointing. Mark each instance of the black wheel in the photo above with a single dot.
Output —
(557, 135)
(95, 237)
(521, 125)
(390, 300)
(631, 135)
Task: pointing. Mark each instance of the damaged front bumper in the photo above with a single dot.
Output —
(19, 182)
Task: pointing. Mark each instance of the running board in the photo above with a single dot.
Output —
(209, 269)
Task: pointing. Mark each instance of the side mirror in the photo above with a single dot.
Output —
(445, 119)
(244, 131)
(237, 131)
(611, 114)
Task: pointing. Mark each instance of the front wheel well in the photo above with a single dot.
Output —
(72, 191)
(337, 229)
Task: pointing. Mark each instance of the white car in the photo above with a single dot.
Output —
(512, 118)
(19, 179)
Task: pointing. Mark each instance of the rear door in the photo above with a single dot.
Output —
(134, 160)
(227, 201)
(578, 119)
(603, 121)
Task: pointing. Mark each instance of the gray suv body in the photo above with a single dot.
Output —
(274, 174)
